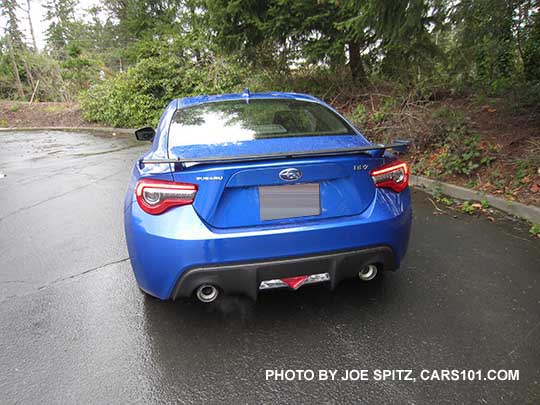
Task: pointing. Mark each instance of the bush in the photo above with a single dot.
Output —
(359, 115)
(138, 96)
(461, 154)
(458, 151)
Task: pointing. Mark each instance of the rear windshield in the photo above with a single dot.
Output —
(239, 120)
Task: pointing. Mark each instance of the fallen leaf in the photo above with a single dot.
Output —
(476, 205)
(491, 219)
(535, 188)
(491, 110)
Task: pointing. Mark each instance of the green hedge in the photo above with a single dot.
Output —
(138, 96)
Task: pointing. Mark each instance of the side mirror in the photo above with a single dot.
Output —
(145, 134)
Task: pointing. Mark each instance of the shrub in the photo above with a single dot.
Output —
(468, 208)
(359, 114)
(137, 97)
(460, 151)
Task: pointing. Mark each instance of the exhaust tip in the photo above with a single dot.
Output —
(368, 273)
(207, 293)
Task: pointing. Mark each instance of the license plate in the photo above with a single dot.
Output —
(298, 200)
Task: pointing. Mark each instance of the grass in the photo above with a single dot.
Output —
(54, 108)
(468, 208)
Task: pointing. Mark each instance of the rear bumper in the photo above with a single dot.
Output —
(246, 278)
(164, 249)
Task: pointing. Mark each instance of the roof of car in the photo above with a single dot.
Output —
(190, 101)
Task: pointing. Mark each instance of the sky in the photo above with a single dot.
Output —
(38, 16)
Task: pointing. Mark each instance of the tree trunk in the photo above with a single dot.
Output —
(18, 84)
(31, 26)
(355, 62)
(29, 74)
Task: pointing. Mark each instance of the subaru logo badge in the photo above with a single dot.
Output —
(290, 174)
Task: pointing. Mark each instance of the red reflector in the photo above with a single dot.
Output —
(394, 176)
(157, 196)
(295, 282)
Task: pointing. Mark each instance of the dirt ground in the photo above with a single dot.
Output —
(24, 115)
(509, 136)
(515, 135)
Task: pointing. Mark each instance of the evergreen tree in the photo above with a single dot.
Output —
(60, 14)
(8, 9)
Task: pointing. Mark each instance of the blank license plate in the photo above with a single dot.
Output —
(298, 200)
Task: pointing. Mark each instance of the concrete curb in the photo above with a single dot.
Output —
(528, 212)
(123, 131)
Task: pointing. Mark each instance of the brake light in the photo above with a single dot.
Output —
(157, 196)
(394, 176)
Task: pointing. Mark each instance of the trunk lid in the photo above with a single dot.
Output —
(251, 193)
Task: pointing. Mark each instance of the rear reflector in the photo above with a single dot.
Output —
(157, 196)
(295, 282)
(394, 176)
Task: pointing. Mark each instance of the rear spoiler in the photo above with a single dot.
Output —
(398, 146)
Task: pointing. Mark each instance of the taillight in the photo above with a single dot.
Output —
(394, 176)
(157, 196)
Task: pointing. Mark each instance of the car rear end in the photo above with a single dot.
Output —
(260, 196)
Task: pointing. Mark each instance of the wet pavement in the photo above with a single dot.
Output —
(75, 328)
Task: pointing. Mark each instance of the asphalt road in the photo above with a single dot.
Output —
(75, 328)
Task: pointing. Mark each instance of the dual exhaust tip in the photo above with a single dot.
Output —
(368, 273)
(209, 293)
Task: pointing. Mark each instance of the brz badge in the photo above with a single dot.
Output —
(290, 174)
(205, 178)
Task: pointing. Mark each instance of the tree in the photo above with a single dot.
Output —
(278, 32)
(486, 41)
(530, 47)
(398, 33)
(29, 16)
(61, 17)
(14, 39)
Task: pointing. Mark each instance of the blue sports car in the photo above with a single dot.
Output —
(242, 193)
